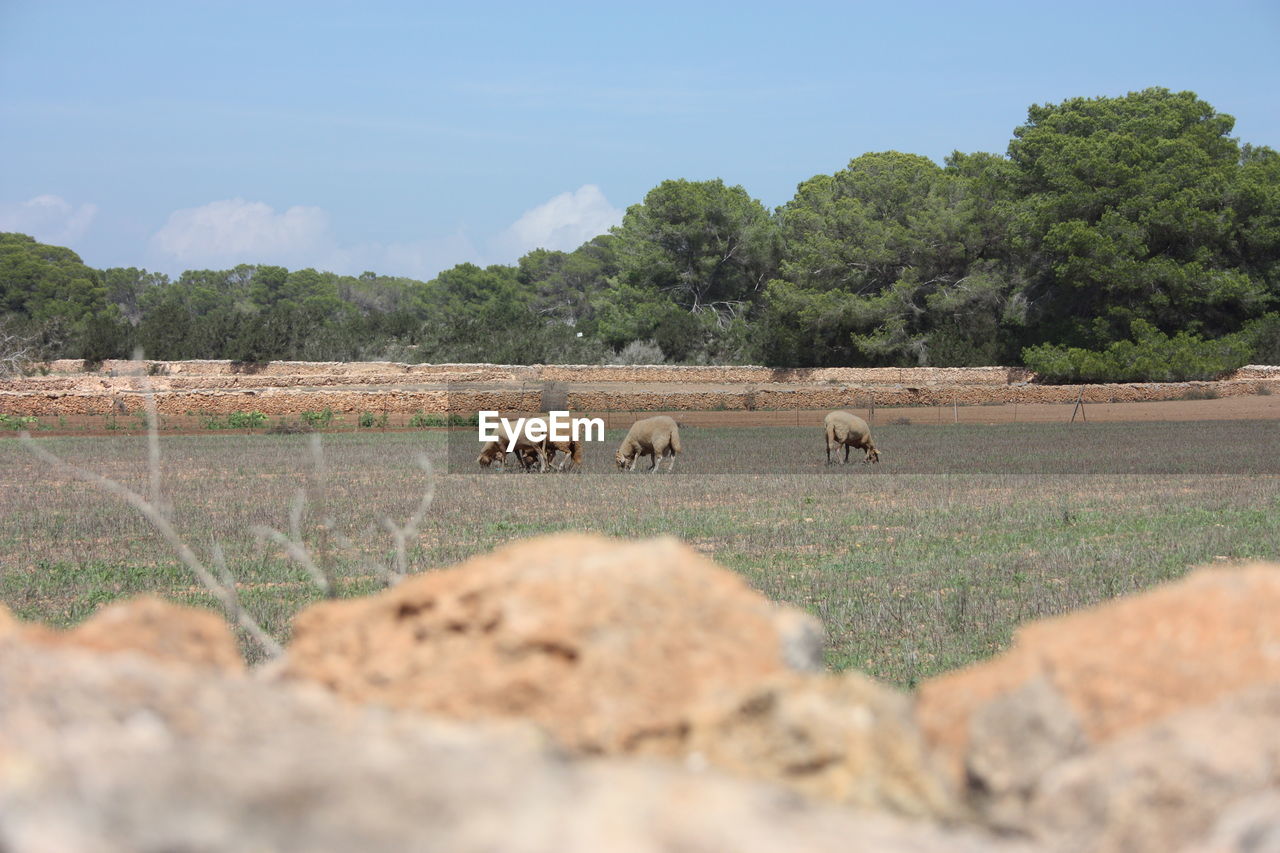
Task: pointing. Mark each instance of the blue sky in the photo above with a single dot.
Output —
(406, 137)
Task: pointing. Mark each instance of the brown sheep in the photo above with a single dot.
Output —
(846, 430)
(571, 449)
(497, 450)
(656, 437)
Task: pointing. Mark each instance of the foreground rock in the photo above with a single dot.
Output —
(148, 626)
(626, 648)
(609, 645)
(1135, 726)
(106, 753)
(1122, 665)
(845, 738)
(1156, 787)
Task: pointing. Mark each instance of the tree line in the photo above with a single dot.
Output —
(1117, 238)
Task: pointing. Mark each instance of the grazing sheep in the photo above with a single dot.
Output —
(571, 449)
(656, 437)
(847, 430)
(497, 450)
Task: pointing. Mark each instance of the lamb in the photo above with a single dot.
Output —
(656, 437)
(847, 430)
(571, 449)
(497, 450)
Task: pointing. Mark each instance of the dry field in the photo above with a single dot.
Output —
(921, 564)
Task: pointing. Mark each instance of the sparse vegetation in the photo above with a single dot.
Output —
(18, 422)
(317, 420)
(235, 420)
(918, 565)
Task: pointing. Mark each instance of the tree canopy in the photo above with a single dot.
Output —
(1113, 235)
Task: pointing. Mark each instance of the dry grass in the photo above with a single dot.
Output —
(923, 563)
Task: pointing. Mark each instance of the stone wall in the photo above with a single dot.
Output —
(281, 388)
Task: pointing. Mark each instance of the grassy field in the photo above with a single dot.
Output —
(921, 564)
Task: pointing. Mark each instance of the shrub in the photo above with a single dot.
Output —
(17, 422)
(246, 420)
(317, 420)
(1151, 356)
(638, 352)
(422, 420)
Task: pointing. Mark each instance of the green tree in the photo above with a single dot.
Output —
(890, 261)
(50, 296)
(566, 285)
(127, 289)
(1129, 210)
(705, 246)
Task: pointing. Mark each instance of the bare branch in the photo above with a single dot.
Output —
(297, 550)
(402, 535)
(296, 547)
(226, 594)
(16, 352)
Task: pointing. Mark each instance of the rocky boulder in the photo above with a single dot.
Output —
(1204, 773)
(120, 754)
(1121, 665)
(146, 625)
(844, 738)
(609, 645)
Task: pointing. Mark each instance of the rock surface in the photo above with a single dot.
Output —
(1127, 663)
(1156, 787)
(609, 645)
(107, 753)
(146, 625)
(843, 738)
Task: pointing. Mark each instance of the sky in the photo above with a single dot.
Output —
(405, 138)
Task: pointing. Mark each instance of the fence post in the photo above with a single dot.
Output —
(1079, 407)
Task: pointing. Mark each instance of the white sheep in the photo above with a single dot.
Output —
(656, 437)
(848, 430)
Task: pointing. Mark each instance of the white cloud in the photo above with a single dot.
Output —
(564, 223)
(234, 231)
(48, 218)
(224, 233)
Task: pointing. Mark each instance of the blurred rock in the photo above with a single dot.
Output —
(118, 754)
(1016, 738)
(607, 644)
(844, 738)
(1156, 788)
(8, 624)
(1251, 825)
(153, 627)
(1127, 663)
